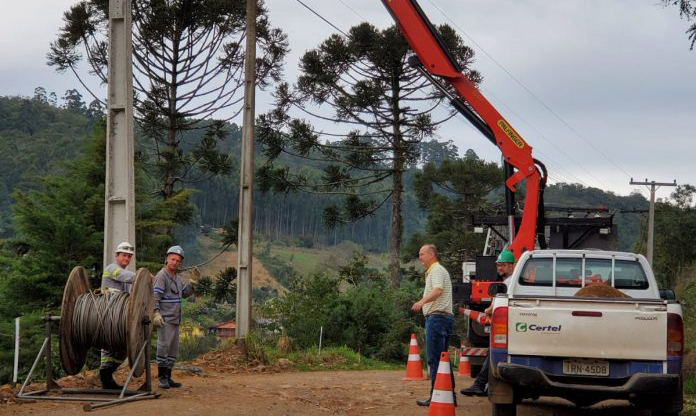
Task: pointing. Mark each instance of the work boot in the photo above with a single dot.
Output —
(106, 376)
(163, 377)
(476, 389)
(423, 402)
(172, 383)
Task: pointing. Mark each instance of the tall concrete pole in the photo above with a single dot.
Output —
(119, 210)
(245, 244)
(651, 214)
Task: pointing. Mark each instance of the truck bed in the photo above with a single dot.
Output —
(629, 329)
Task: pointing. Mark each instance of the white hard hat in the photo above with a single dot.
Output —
(125, 247)
(176, 250)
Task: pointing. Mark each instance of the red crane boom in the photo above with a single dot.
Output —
(437, 64)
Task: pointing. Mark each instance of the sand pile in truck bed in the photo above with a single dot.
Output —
(600, 290)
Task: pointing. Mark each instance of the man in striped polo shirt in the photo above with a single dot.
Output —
(436, 305)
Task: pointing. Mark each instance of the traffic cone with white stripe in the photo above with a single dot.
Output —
(464, 364)
(414, 368)
(477, 316)
(442, 399)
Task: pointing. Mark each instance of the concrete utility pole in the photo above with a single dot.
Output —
(654, 186)
(245, 244)
(119, 210)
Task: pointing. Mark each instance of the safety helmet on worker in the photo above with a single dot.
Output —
(125, 247)
(506, 257)
(176, 250)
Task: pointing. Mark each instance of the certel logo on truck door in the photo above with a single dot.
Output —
(549, 329)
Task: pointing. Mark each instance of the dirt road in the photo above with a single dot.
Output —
(308, 393)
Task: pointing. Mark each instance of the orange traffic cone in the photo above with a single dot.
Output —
(477, 316)
(464, 364)
(414, 369)
(442, 400)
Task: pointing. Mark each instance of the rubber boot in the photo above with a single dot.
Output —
(163, 377)
(172, 383)
(476, 389)
(107, 379)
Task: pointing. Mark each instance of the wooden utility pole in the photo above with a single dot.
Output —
(654, 186)
(245, 243)
(119, 209)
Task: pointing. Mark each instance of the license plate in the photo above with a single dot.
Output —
(589, 367)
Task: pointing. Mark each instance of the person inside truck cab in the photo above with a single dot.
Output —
(504, 265)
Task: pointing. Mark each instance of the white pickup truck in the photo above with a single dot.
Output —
(545, 341)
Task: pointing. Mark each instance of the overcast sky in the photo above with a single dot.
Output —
(602, 89)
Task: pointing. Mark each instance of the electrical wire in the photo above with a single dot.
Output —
(554, 113)
(100, 321)
(513, 112)
(353, 10)
(322, 17)
(568, 177)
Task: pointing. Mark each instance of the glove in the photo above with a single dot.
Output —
(158, 321)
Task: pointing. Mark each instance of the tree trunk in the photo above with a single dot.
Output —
(397, 187)
(396, 226)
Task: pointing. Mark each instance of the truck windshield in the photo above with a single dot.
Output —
(627, 274)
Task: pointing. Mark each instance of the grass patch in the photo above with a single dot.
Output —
(332, 358)
(264, 349)
(690, 385)
(689, 405)
(308, 260)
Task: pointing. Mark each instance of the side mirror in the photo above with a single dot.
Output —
(667, 294)
(496, 288)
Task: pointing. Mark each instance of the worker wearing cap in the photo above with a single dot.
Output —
(504, 265)
(115, 278)
(436, 305)
(169, 290)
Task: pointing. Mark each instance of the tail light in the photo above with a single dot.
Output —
(499, 328)
(675, 335)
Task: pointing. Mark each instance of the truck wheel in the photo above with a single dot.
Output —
(504, 409)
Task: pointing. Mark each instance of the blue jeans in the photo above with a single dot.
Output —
(482, 378)
(437, 332)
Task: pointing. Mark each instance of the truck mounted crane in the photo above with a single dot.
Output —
(434, 61)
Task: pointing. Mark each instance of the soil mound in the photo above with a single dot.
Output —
(600, 290)
(231, 359)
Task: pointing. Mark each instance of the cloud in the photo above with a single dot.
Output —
(620, 73)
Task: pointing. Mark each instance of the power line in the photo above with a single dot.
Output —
(513, 112)
(322, 18)
(528, 90)
(570, 177)
(353, 10)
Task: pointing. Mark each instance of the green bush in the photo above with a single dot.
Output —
(191, 347)
(280, 270)
(362, 313)
(32, 335)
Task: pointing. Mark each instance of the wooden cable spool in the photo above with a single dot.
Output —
(72, 355)
(140, 305)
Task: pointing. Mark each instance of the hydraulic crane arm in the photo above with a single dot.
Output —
(438, 65)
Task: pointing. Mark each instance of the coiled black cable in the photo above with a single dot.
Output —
(100, 320)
